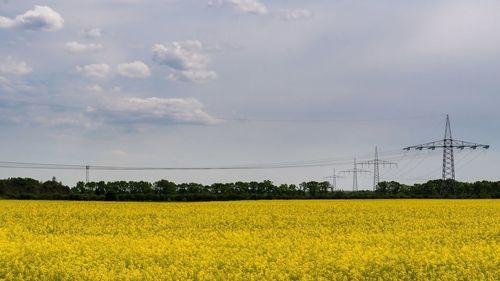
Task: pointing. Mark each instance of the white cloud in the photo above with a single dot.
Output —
(5, 22)
(94, 88)
(188, 110)
(119, 152)
(77, 119)
(92, 33)
(94, 70)
(5, 84)
(244, 6)
(48, 117)
(193, 76)
(292, 15)
(136, 69)
(186, 59)
(14, 86)
(39, 18)
(134, 112)
(78, 48)
(10, 66)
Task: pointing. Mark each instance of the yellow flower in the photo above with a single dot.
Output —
(251, 240)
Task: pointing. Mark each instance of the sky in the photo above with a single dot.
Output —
(208, 83)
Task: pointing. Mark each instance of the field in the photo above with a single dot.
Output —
(251, 240)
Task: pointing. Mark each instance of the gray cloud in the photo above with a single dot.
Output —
(458, 30)
(186, 60)
(67, 119)
(14, 86)
(368, 60)
(39, 18)
(5, 84)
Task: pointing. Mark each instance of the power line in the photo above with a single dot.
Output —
(43, 166)
(332, 161)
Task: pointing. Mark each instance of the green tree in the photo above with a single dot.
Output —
(165, 187)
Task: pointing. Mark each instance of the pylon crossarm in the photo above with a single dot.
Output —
(357, 171)
(334, 177)
(465, 144)
(444, 143)
(372, 162)
(430, 145)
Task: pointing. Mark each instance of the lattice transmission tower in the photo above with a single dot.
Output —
(448, 144)
(354, 171)
(87, 172)
(334, 178)
(376, 162)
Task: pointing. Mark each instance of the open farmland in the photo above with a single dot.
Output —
(251, 240)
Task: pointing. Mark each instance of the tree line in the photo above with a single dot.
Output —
(164, 190)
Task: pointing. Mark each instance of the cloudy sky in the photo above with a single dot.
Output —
(184, 83)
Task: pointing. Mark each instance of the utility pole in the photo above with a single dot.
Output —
(354, 171)
(376, 162)
(334, 178)
(448, 144)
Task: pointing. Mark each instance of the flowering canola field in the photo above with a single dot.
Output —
(251, 240)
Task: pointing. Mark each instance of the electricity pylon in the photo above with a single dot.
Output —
(87, 171)
(334, 178)
(354, 171)
(448, 144)
(376, 162)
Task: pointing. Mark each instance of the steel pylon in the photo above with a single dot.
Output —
(448, 144)
(334, 178)
(376, 162)
(354, 171)
(448, 160)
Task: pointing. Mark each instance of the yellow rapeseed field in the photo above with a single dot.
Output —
(251, 240)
